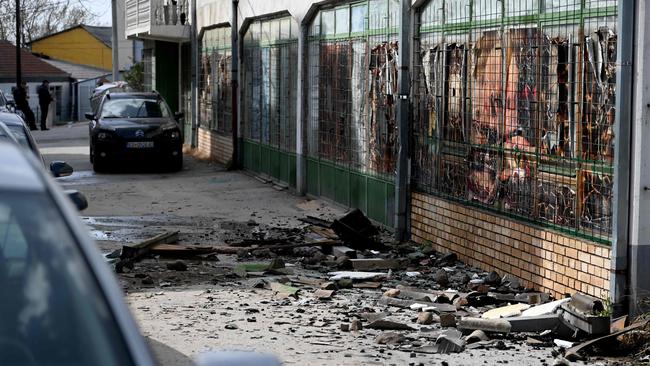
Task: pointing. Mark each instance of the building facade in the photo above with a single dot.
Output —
(513, 112)
(87, 45)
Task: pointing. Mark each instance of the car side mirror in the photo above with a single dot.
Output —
(78, 199)
(90, 116)
(237, 359)
(61, 169)
(179, 115)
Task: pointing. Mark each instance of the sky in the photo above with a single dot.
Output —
(101, 8)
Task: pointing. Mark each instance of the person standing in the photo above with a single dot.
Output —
(44, 100)
(20, 98)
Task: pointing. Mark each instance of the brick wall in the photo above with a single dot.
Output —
(215, 146)
(541, 258)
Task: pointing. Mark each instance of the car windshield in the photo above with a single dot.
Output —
(51, 309)
(20, 135)
(135, 108)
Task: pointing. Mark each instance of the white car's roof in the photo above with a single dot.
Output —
(16, 171)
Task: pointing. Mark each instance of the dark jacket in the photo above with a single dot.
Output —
(20, 97)
(44, 96)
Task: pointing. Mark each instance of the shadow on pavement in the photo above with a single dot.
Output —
(168, 356)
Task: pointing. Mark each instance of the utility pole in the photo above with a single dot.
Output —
(115, 43)
(403, 123)
(235, 83)
(194, 59)
(19, 73)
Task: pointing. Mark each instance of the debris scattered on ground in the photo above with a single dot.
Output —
(399, 295)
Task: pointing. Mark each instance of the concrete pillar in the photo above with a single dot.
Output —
(301, 162)
(639, 248)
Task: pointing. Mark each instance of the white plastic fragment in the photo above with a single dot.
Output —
(545, 309)
(417, 306)
(335, 276)
(562, 343)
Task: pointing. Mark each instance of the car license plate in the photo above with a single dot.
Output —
(139, 144)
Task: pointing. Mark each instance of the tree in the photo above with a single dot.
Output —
(135, 77)
(41, 17)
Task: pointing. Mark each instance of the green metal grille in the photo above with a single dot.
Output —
(269, 85)
(352, 86)
(215, 87)
(514, 108)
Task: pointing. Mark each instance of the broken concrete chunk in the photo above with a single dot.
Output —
(582, 312)
(328, 286)
(345, 327)
(587, 304)
(323, 294)
(260, 283)
(391, 338)
(487, 325)
(342, 251)
(533, 342)
(392, 293)
(425, 318)
(533, 324)
(441, 277)
(343, 262)
(447, 260)
(505, 311)
(383, 324)
(447, 320)
(477, 336)
(493, 279)
(276, 263)
(355, 325)
(374, 264)
(356, 275)
(177, 266)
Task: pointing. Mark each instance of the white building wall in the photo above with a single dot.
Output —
(211, 12)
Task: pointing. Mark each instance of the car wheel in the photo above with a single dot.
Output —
(176, 163)
(99, 166)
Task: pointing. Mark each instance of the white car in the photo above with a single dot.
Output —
(60, 303)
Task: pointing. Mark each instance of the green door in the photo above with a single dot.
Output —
(167, 72)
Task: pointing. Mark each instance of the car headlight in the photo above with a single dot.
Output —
(104, 136)
(174, 135)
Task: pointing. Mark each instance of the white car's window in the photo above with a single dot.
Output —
(135, 108)
(20, 135)
(51, 310)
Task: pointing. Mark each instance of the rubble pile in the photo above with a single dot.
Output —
(409, 298)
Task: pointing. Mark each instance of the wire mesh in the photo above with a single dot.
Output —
(514, 108)
(215, 86)
(270, 82)
(352, 76)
